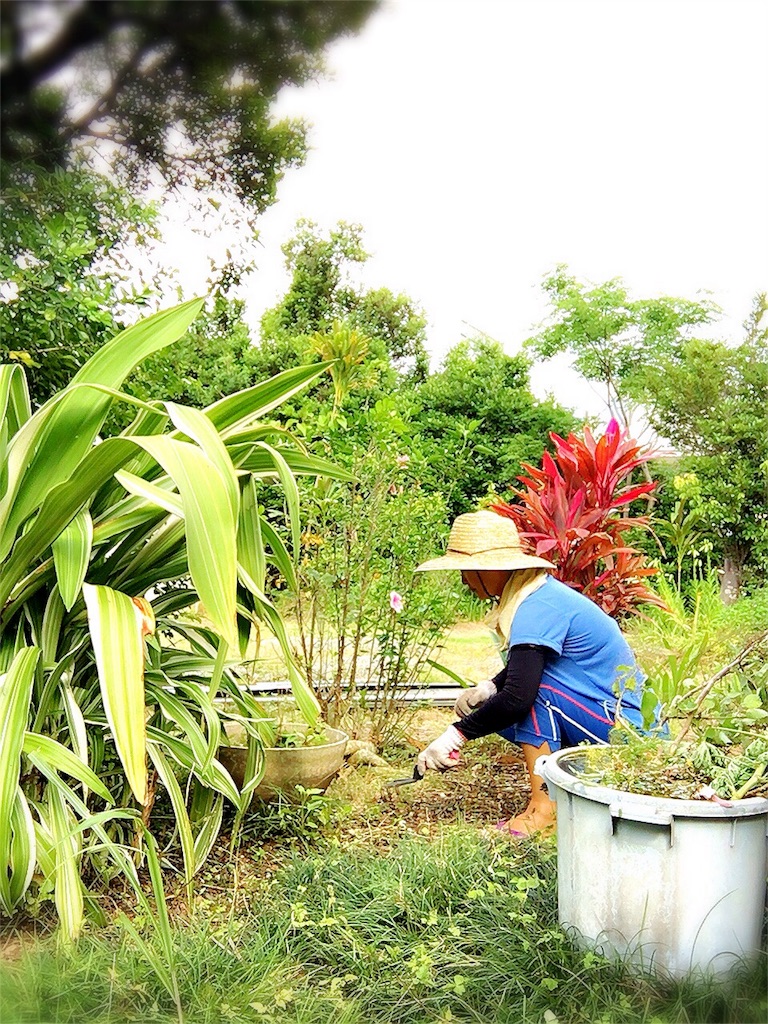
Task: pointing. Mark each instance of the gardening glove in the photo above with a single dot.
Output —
(441, 753)
(473, 697)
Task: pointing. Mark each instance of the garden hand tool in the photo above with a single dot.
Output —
(417, 777)
(473, 697)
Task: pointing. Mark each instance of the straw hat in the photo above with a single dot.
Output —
(484, 540)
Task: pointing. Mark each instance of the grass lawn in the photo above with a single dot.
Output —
(364, 906)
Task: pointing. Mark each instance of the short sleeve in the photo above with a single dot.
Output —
(538, 621)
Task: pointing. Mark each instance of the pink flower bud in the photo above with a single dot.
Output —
(395, 601)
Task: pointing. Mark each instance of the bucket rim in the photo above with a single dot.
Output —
(639, 805)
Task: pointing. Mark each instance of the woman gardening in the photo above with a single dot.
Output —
(568, 667)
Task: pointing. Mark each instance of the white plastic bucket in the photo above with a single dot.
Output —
(674, 886)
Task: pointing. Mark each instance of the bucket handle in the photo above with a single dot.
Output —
(648, 815)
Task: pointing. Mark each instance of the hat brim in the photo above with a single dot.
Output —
(485, 560)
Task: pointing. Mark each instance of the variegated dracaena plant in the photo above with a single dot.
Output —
(103, 693)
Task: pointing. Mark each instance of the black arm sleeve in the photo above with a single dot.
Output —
(517, 684)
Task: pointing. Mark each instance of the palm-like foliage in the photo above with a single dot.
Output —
(97, 683)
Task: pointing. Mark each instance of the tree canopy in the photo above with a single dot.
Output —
(711, 400)
(478, 421)
(183, 90)
(612, 337)
(65, 270)
(322, 299)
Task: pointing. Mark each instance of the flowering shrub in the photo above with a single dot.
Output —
(570, 510)
(367, 625)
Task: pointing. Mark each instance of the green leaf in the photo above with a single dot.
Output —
(119, 649)
(244, 406)
(50, 445)
(250, 546)
(15, 695)
(280, 554)
(23, 853)
(59, 758)
(183, 824)
(211, 528)
(15, 406)
(158, 495)
(217, 777)
(199, 428)
(291, 493)
(68, 889)
(208, 831)
(246, 457)
(51, 631)
(71, 554)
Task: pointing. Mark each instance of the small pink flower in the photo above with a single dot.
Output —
(708, 793)
(403, 460)
(395, 601)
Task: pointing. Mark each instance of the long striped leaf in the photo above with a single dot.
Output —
(183, 824)
(45, 846)
(23, 852)
(94, 821)
(211, 528)
(290, 491)
(237, 410)
(119, 649)
(61, 759)
(71, 554)
(209, 831)
(280, 554)
(68, 889)
(15, 410)
(15, 406)
(158, 495)
(61, 505)
(204, 701)
(259, 462)
(247, 457)
(78, 731)
(199, 428)
(217, 777)
(15, 694)
(177, 711)
(51, 631)
(250, 546)
(50, 445)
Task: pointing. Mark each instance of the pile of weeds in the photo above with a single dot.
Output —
(457, 929)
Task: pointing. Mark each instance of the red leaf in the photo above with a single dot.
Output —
(545, 545)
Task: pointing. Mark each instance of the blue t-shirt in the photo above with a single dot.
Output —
(593, 658)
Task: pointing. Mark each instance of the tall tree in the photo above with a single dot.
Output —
(322, 298)
(711, 400)
(182, 90)
(478, 421)
(612, 337)
(66, 270)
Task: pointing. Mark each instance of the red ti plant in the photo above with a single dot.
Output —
(571, 511)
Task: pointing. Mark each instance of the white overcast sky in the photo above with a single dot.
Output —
(481, 142)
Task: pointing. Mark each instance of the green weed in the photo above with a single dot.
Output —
(457, 929)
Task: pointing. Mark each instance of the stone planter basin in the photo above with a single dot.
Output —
(285, 768)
